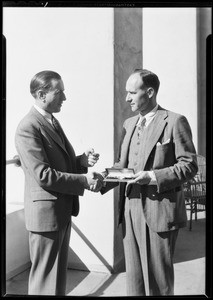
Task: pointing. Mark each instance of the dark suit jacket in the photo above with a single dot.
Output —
(52, 171)
(168, 151)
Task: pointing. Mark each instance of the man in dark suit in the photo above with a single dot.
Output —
(157, 144)
(54, 178)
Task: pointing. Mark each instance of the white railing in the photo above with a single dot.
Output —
(14, 185)
(15, 160)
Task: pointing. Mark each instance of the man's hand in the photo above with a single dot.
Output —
(94, 181)
(141, 178)
(89, 158)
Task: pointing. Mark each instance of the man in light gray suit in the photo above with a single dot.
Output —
(54, 178)
(157, 145)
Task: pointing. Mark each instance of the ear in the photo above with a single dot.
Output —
(150, 92)
(41, 95)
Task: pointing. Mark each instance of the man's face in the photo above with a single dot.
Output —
(55, 97)
(137, 95)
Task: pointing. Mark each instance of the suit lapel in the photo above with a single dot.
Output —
(153, 133)
(68, 147)
(48, 128)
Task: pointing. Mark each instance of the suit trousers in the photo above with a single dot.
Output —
(49, 257)
(148, 254)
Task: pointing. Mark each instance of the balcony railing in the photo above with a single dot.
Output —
(14, 185)
(15, 161)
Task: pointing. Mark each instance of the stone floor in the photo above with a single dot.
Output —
(189, 265)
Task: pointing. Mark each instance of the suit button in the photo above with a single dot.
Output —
(138, 143)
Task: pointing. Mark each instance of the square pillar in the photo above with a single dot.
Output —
(127, 57)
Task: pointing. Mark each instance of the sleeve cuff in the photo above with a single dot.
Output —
(153, 180)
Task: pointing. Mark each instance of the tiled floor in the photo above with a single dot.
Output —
(189, 265)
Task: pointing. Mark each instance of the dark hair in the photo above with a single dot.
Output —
(42, 81)
(149, 78)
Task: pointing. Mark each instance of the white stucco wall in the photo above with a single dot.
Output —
(170, 50)
(78, 44)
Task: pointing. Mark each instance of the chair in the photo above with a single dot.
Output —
(195, 190)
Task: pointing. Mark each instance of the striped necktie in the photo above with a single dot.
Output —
(141, 126)
(57, 128)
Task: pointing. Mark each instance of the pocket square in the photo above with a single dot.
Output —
(164, 143)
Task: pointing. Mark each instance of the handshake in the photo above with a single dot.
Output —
(94, 181)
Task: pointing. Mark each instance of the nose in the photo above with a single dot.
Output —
(64, 97)
(128, 97)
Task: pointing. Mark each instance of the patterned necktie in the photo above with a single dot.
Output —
(141, 126)
(57, 128)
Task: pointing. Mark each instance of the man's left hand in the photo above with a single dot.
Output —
(141, 178)
(89, 158)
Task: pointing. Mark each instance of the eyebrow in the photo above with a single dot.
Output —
(132, 91)
(59, 90)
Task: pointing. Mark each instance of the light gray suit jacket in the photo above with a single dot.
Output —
(168, 151)
(53, 179)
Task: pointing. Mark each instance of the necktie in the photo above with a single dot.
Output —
(141, 126)
(57, 128)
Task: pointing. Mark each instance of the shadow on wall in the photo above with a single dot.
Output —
(78, 263)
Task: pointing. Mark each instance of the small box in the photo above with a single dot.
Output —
(119, 175)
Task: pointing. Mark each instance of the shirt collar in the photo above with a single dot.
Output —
(149, 115)
(43, 112)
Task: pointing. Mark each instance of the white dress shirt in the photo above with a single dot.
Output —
(149, 117)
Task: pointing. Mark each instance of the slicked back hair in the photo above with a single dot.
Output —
(149, 78)
(43, 81)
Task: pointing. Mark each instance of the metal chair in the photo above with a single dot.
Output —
(195, 190)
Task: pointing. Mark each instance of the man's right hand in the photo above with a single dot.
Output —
(94, 181)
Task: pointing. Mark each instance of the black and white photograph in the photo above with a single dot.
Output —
(104, 149)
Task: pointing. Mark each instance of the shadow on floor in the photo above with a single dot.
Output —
(74, 279)
(100, 291)
(18, 285)
(191, 244)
